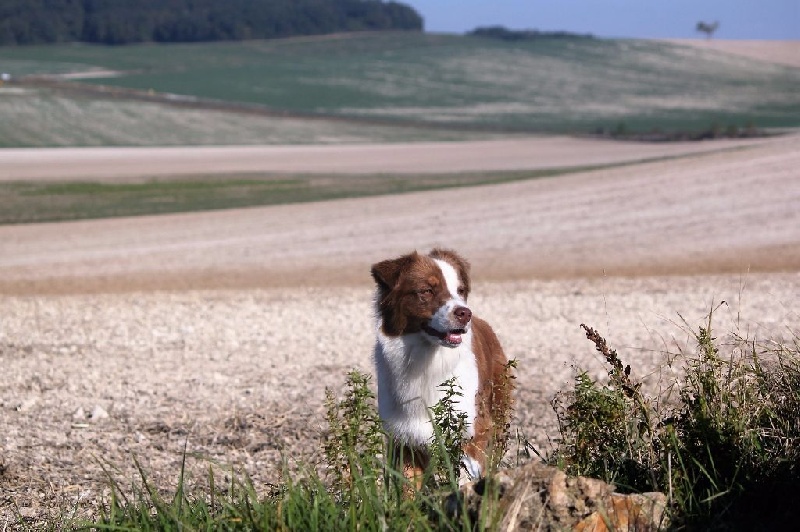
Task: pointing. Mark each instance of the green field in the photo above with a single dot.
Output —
(31, 202)
(460, 82)
(37, 117)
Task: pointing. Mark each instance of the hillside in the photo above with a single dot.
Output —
(132, 21)
(453, 82)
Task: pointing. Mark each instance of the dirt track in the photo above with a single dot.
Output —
(102, 164)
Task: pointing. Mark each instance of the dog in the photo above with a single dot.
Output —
(426, 335)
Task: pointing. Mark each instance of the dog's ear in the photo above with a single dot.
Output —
(387, 272)
(458, 262)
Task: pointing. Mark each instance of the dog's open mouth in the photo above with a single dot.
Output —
(449, 338)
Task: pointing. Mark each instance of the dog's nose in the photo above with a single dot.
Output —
(463, 315)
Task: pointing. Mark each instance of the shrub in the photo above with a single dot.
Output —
(727, 452)
(607, 430)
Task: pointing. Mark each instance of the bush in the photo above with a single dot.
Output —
(727, 452)
(608, 430)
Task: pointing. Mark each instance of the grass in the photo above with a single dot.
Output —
(43, 117)
(355, 489)
(454, 81)
(28, 202)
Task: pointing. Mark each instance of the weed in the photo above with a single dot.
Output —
(354, 432)
(450, 426)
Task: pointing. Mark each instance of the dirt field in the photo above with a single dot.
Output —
(779, 52)
(218, 332)
(532, 153)
(720, 212)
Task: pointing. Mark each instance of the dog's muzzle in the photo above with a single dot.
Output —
(452, 337)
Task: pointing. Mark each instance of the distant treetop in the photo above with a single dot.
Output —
(707, 28)
(505, 34)
(132, 21)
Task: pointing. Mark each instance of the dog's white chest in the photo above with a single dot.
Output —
(410, 377)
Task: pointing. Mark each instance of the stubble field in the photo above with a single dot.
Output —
(218, 332)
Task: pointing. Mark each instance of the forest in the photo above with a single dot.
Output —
(134, 21)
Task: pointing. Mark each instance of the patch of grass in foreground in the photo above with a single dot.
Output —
(356, 489)
(30, 202)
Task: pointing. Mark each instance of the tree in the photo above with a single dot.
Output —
(708, 29)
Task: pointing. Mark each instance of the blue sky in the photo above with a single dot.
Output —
(739, 19)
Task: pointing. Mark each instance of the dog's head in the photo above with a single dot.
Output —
(424, 294)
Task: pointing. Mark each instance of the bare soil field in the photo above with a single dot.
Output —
(779, 52)
(718, 212)
(529, 153)
(218, 332)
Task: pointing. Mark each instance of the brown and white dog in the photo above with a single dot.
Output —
(426, 335)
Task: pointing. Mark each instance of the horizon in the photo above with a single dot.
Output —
(738, 19)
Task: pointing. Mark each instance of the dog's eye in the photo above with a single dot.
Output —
(426, 292)
(461, 291)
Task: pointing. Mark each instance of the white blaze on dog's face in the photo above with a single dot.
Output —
(453, 318)
(426, 295)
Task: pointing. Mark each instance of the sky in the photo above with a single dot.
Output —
(659, 19)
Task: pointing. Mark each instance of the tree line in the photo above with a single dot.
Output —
(133, 21)
(504, 34)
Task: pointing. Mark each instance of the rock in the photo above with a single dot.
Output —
(540, 497)
(27, 404)
(79, 414)
(27, 512)
(98, 413)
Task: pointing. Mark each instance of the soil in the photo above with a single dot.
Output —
(218, 332)
(785, 53)
(236, 378)
(722, 212)
(527, 153)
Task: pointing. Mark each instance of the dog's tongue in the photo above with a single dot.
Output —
(453, 338)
